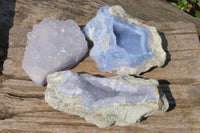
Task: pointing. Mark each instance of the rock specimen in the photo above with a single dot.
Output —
(53, 45)
(120, 100)
(122, 44)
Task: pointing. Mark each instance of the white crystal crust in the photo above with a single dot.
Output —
(53, 45)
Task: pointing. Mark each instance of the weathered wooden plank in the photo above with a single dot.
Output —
(61, 121)
(74, 122)
(24, 91)
(22, 105)
(182, 30)
(16, 53)
(179, 122)
(183, 48)
(18, 82)
(174, 28)
(187, 104)
(178, 44)
(14, 69)
(182, 42)
(12, 105)
(28, 12)
(18, 36)
(187, 97)
(179, 71)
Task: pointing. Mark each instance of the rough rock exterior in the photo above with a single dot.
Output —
(120, 100)
(53, 45)
(122, 44)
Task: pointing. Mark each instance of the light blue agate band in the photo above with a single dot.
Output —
(117, 42)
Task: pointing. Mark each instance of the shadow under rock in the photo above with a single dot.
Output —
(165, 48)
(95, 75)
(7, 11)
(89, 42)
(164, 87)
(90, 45)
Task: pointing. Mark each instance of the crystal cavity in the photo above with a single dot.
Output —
(123, 45)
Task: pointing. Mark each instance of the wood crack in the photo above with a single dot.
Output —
(22, 97)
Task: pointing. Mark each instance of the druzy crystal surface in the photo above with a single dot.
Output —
(121, 44)
(122, 100)
(53, 45)
(97, 92)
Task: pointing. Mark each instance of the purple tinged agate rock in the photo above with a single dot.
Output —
(53, 45)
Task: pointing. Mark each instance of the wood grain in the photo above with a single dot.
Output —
(29, 12)
(22, 105)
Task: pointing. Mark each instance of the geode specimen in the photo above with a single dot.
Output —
(120, 100)
(122, 44)
(53, 45)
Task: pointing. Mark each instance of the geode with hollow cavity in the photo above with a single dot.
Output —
(120, 100)
(53, 45)
(122, 44)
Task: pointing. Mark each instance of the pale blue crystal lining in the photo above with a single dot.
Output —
(117, 43)
(97, 92)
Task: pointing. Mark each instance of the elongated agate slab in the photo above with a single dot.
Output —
(120, 100)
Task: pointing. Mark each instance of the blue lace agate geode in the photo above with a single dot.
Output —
(122, 100)
(121, 44)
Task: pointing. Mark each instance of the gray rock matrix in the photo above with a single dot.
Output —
(124, 105)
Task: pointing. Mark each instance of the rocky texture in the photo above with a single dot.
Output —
(120, 100)
(53, 45)
(122, 44)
